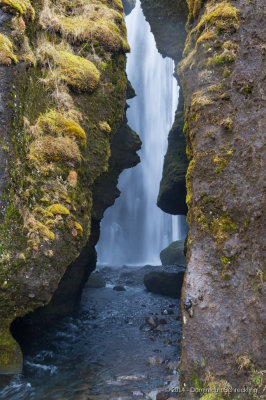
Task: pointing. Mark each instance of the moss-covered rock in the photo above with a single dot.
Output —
(172, 194)
(173, 254)
(23, 7)
(223, 195)
(61, 114)
(6, 51)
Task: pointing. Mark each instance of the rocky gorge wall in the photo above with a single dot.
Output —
(223, 83)
(63, 97)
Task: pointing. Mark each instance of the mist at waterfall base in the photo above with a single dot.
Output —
(135, 230)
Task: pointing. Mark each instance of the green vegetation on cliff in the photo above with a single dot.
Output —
(221, 78)
(67, 102)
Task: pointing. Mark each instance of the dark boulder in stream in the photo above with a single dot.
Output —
(165, 283)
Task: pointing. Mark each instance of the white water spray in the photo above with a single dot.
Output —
(135, 230)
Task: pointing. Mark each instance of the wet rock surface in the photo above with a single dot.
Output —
(103, 352)
(164, 283)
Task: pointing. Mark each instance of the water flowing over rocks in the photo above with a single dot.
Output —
(101, 352)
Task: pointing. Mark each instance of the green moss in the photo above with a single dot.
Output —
(225, 58)
(221, 161)
(226, 73)
(200, 99)
(6, 51)
(58, 209)
(23, 7)
(10, 353)
(104, 126)
(206, 37)
(43, 230)
(96, 26)
(222, 15)
(248, 89)
(209, 215)
(76, 227)
(46, 156)
(51, 149)
(247, 222)
(80, 74)
(194, 7)
(226, 260)
(59, 123)
(41, 211)
(227, 123)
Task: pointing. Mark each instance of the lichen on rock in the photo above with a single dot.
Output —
(223, 191)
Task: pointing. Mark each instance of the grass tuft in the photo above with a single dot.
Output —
(6, 51)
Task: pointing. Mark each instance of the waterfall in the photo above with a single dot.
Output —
(135, 230)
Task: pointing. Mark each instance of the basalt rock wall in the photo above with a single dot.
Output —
(223, 83)
(222, 77)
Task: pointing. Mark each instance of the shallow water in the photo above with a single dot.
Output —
(85, 355)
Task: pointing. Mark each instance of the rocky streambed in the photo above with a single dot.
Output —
(119, 345)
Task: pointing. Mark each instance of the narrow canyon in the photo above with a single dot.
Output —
(131, 199)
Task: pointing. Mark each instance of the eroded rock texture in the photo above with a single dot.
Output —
(63, 97)
(222, 75)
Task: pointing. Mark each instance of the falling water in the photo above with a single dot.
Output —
(135, 230)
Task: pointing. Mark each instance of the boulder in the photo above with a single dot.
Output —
(173, 254)
(164, 283)
(95, 281)
(119, 288)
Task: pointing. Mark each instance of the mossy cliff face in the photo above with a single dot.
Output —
(62, 99)
(222, 78)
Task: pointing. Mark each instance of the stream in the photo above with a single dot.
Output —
(104, 350)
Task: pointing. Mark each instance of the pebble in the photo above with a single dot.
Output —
(161, 328)
(137, 393)
(150, 321)
(130, 377)
(172, 365)
(154, 360)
